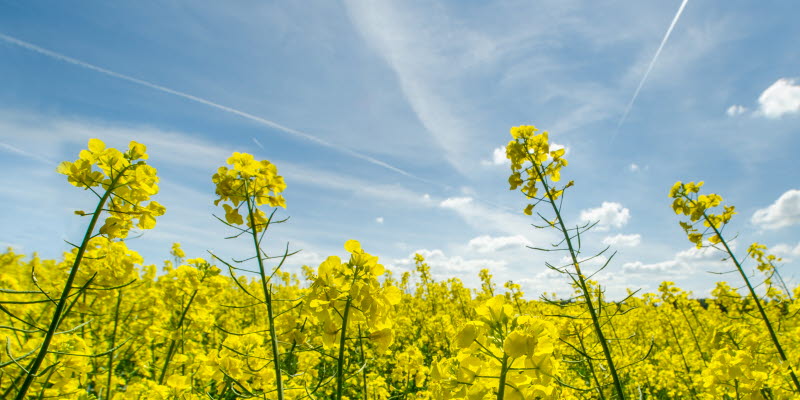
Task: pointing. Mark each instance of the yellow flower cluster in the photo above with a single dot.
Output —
(126, 177)
(765, 261)
(530, 155)
(347, 294)
(500, 351)
(449, 342)
(120, 330)
(735, 374)
(249, 182)
(697, 207)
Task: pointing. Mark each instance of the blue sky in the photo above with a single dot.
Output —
(385, 119)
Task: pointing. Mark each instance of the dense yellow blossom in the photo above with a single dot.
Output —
(351, 329)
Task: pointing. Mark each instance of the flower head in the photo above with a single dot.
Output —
(128, 180)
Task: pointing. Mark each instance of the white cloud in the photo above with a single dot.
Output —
(684, 262)
(556, 146)
(305, 257)
(634, 167)
(608, 214)
(490, 244)
(783, 212)
(735, 110)
(704, 253)
(640, 267)
(456, 203)
(785, 250)
(379, 220)
(783, 97)
(623, 240)
(443, 266)
(591, 262)
(548, 283)
(498, 157)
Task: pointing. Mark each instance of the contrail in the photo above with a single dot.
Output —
(24, 153)
(254, 118)
(650, 67)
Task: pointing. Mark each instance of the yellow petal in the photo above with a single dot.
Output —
(352, 246)
(96, 145)
(393, 295)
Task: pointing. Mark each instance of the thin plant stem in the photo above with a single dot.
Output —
(683, 357)
(364, 363)
(173, 342)
(340, 361)
(62, 301)
(267, 296)
(501, 387)
(582, 282)
(113, 343)
(590, 365)
(694, 336)
(757, 300)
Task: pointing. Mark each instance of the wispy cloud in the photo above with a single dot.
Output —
(164, 89)
(12, 149)
(428, 62)
(489, 218)
(180, 149)
(735, 110)
(650, 67)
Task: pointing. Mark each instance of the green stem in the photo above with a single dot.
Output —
(113, 343)
(501, 388)
(48, 338)
(590, 365)
(173, 342)
(783, 283)
(683, 357)
(340, 361)
(755, 297)
(267, 297)
(694, 336)
(582, 282)
(363, 363)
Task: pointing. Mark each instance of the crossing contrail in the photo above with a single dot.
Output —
(650, 67)
(164, 89)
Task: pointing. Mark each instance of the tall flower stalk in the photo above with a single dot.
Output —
(697, 207)
(251, 184)
(123, 182)
(535, 166)
(347, 294)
